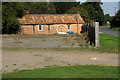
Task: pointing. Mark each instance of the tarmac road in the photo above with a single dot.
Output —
(106, 30)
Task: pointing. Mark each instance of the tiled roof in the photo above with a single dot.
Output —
(51, 18)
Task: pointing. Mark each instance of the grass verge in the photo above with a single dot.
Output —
(87, 71)
(118, 29)
(109, 43)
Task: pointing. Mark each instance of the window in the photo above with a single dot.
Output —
(40, 27)
(68, 27)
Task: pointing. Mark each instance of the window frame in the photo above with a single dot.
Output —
(68, 26)
(40, 25)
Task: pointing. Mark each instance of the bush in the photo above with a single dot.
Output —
(115, 22)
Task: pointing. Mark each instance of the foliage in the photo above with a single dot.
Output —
(95, 11)
(48, 8)
(107, 17)
(81, 11)
(86, 71)
(62, 7)
(115, 22)
(39, 8)
(10, 12)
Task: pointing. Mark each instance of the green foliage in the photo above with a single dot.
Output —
(107, 17)
(81, 11)
(39, 7)
(62, 7)
(87, 71)
(10, 13)
(95, 11)
(115, 22)
(90, 10)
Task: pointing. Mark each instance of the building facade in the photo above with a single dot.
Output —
(50, 24)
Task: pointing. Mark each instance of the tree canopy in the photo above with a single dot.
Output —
(95, 11)
(62, 7)
(107, 17)
(10, 13)
(115, 22)
(81, 11)
(39, 8)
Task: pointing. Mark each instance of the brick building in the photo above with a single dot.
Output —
(50, 23)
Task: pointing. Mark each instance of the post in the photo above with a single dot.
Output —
(33, 29)
(1, 41)
(97, 34)
(49, 29)
(78, 23)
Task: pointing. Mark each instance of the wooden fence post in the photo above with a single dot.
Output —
(0, 40)
(97, 34)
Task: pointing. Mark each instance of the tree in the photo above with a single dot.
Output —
(50, 8)
(107, 17)
(115, 22)
(39, 8)
(95, 11)
(10, 12)
(90, 10)
(62, 7)
(81, 11)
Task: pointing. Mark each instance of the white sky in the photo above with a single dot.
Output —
(101, 0)
(108, 6)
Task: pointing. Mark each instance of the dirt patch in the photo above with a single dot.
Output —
(31, 59)
(33, 53)
(43, 41)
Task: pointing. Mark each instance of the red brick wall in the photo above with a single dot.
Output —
(34, 29)
(53, 29)
(43, 31)
(26, 29)
(76, 28)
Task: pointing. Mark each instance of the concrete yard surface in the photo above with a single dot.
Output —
(15, 60)
(42, 41)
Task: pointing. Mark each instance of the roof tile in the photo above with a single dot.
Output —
(51, 19)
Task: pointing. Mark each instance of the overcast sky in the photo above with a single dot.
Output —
(108, 6)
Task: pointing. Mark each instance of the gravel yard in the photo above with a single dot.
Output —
(43, 41)
(37, 51)
(40, 58)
